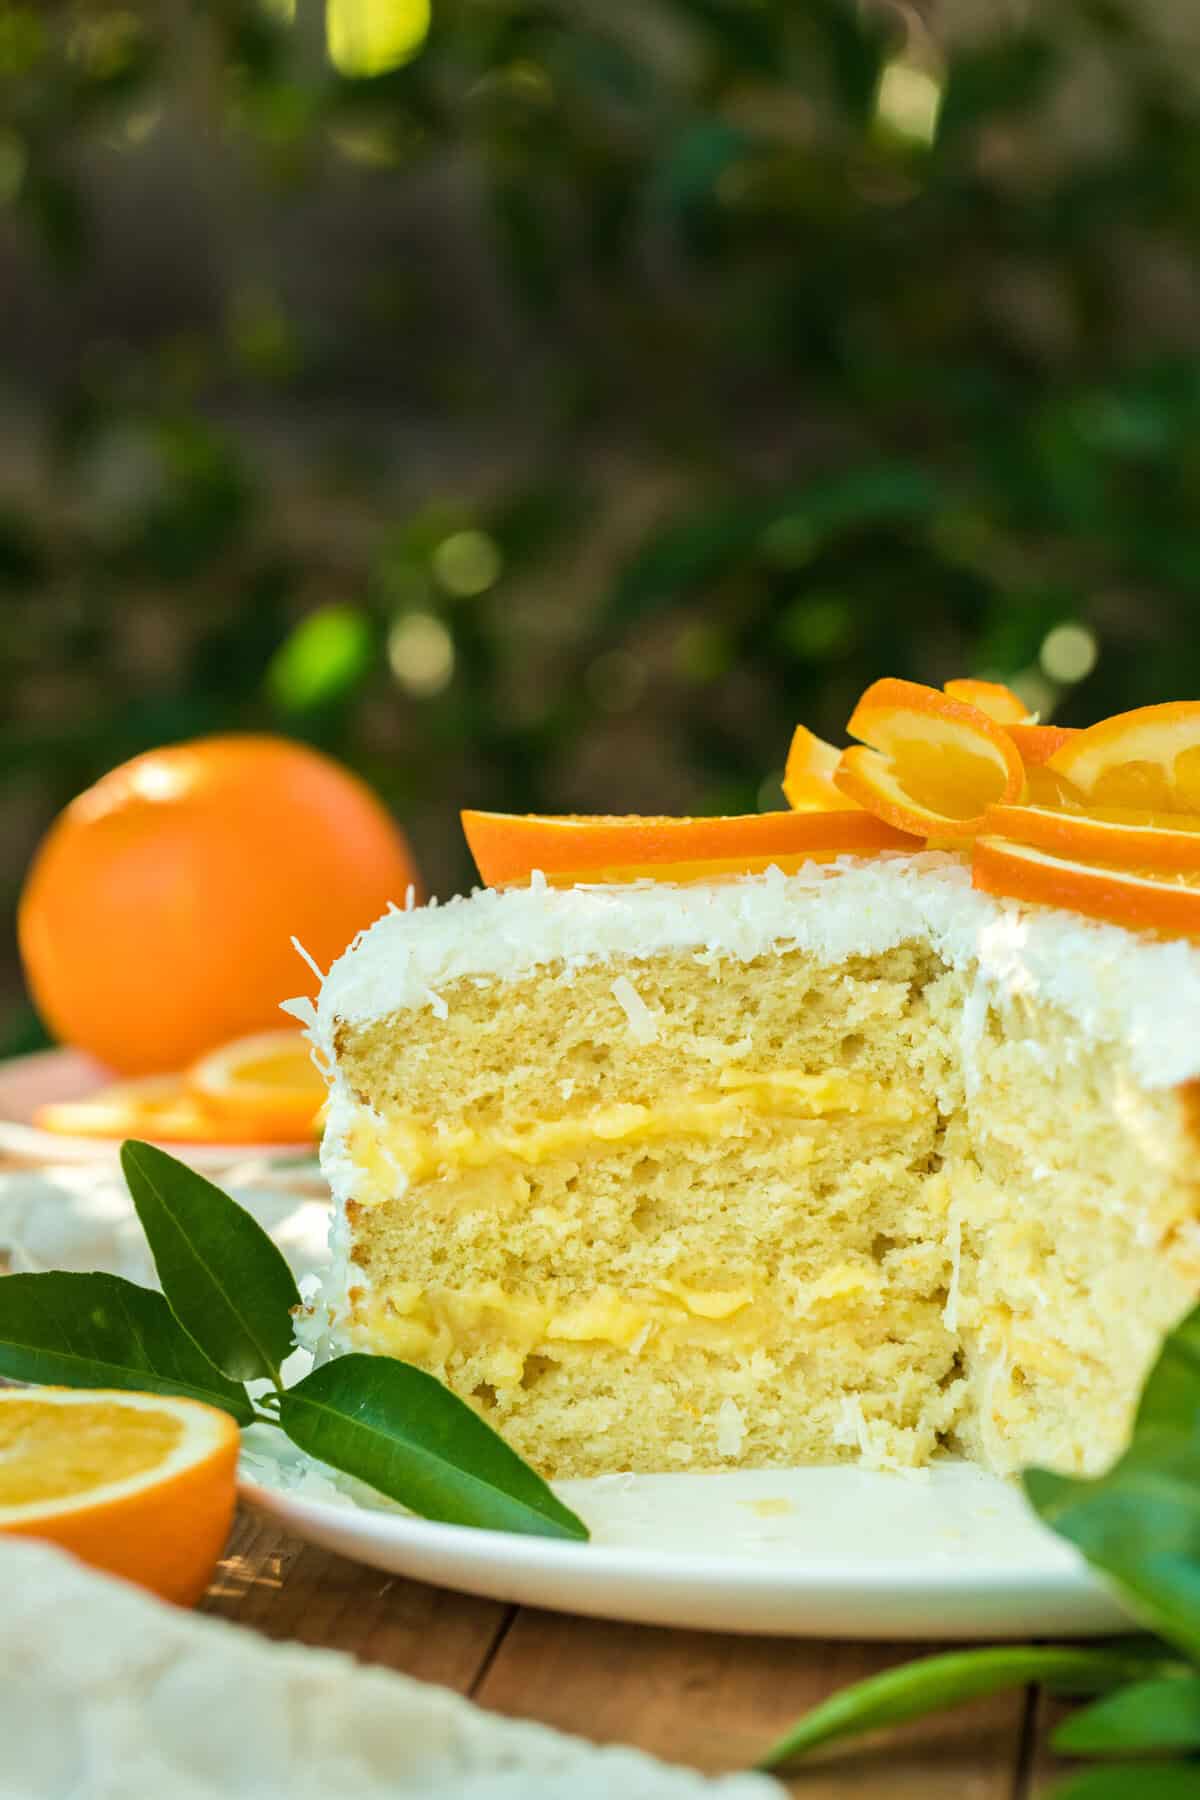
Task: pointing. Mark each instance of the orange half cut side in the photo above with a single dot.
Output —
(140, 1485)
(930, 765)
(508, 847)
(267, 1077)
(1139, 899)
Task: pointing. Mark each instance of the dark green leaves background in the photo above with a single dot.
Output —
(551, 420)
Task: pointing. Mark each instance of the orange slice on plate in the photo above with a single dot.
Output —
(508, 847)
(991, 697)
(163, 1109)
(808, 779)
(931, 764)
(1159, 841)
(140, 1485)
(1141, 899)
(1147, 760)
(269, 1078)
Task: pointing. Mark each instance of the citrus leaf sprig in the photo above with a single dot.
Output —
(225, 1317)
(1139, 1525)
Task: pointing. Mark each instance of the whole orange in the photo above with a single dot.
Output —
(157, 917)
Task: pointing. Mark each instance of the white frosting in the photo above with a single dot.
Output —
(1117, 985)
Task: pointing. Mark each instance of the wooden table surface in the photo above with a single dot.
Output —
(694, 1697)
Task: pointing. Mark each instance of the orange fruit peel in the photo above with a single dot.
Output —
(509, 847)
(269, 1076)
(928, 764)
(1161, 841)
(140, 1485)
(159, 913)
(1145, 760)
(808, 782)
(1036, 744)
(991, 697)
(1139, 899)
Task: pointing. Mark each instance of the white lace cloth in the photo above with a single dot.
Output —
(80, 1216)
(105, 1694)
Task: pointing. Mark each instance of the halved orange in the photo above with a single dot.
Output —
(932, 765)
(508, 847)
(1140, 899)
(808, 778)
(163, 1109)
(1146, 760)
(269, 1078)
(140, 1485)
(992, 697)
(1160, 841)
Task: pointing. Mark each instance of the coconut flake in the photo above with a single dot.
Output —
(643, 1026)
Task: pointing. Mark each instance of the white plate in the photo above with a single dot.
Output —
(27, 1082)
(827, 1552)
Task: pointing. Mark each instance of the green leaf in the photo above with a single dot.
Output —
(98, 1331)
(1150, 1715)
(1133, 1781)
(405, 1434)
(917, 1688)
(1171, 1397)
(225, 1281)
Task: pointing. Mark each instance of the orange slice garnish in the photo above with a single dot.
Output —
(1142, 761)
(808, 780)
(508, 847)
(268, 1077)
(1038, 743)
(163, 1109)
(140, 1485)
(1140, 899)
(991, 697)
(1159, 841)
(932, 764)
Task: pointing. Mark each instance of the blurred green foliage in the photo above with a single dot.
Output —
(544, 405)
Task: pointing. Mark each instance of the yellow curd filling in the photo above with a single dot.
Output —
(431, 1324)
(406, 1150)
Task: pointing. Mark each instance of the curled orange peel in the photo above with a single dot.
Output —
(1144, 760)
(808, 778)
(991, 697)
(928, 764)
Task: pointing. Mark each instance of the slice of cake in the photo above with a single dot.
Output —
(852, 1161)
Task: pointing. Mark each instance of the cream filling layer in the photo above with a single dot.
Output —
(434, 1324)
(393, 1153)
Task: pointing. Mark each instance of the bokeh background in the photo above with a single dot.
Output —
(544, 403)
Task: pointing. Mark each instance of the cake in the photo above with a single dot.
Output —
(847, 1159)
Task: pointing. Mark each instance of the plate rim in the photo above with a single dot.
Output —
(1072, 1580)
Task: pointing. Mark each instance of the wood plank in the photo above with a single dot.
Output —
(1043, 1767)
(289, 1590)
(716, 1702)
